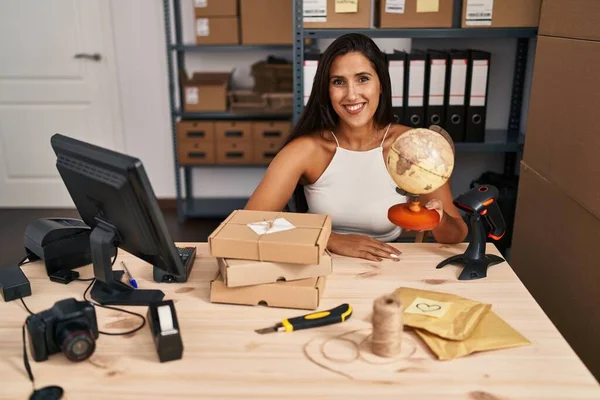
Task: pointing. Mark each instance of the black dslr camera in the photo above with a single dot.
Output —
(69, 326)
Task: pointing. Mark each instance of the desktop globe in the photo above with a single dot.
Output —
(419, 161)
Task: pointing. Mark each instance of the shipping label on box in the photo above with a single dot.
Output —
(272, 236)
(479, 12)
(314, 10)
(249, 272)
(302, 294)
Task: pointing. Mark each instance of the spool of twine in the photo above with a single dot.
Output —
(386, 339)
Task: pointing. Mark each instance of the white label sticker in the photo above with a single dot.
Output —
(314, 10)
(416, 85)
(458, 80)
(191, 95)
(396, 69)
(479, 82)
(310, 70)
(201, 3)
(395, 6)
(437, 82)
(271, 226)
(479, 12)
(202, 27)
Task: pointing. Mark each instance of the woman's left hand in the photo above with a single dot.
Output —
(437, 205)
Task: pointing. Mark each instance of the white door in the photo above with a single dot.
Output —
(48, 85)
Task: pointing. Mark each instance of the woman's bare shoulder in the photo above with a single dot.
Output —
(311, 143)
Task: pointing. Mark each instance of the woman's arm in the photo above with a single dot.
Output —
(452, 228)
(282, 176)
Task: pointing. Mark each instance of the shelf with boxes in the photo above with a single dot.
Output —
(438, 19)
(215, 124)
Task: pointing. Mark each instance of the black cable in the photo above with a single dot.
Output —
(26, 360)
(92, 280)
(25, 305)
(85, 280)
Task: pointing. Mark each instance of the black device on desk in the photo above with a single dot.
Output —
(62, 243)
(114, 198)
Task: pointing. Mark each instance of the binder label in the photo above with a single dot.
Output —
(416, 86)
(314, 10)
(397, 77)
(310, 70)
(437, 82)
(458, 80)
(201, 3)
(479, 83)
(479, 12)
(395, 6)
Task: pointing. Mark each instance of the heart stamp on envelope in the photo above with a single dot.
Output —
(428, 307)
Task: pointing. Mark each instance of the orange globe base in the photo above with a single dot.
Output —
(413, 217)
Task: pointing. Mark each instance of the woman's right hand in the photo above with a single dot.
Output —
(361, 246)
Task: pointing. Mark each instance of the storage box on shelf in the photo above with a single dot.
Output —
(216, 22)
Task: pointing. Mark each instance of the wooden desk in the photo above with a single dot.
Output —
(225, 358)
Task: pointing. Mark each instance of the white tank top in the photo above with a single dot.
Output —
(356, 190)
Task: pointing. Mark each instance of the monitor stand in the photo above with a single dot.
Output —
(108, 288)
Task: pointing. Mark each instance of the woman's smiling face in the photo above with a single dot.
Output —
(354, 89)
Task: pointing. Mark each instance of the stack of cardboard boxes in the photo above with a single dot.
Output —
(230, 142)
(277, 259)
(557, 218)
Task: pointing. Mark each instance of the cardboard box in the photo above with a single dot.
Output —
(504, 14)
(233, 131)
(191, 152)
(200, 131)
(563, 134)
(329, 18)
(248, 272)
(217, 30)
(304, 243)
(215, 8)
(416, 14)
(570, 18)
(554, 253)
(264, 152)
(205, 91)
(266, 21)
(302, 294)
(234, 152)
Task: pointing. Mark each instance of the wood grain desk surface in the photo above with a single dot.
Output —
(224, 358)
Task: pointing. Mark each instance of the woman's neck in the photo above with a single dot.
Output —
(361, 138)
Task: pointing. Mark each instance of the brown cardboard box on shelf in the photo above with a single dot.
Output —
(215, 8)
(302, 294)
(416, 14)
(554, 252)
(329, 17)
(268, 137)
(217, 30)
(195, 142)
(272, 236)
(249, 272)
(579, 19)
(563, 145)
(266, 21)
(205, 91)
(234, 152)
(233, 131)
(501, 13)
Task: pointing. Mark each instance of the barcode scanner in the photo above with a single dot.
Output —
(480, 205)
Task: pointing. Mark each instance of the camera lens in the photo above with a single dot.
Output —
(76, 342)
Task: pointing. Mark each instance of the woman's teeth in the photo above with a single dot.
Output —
(355, 107)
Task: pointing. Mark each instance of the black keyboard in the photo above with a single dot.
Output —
(187, 254)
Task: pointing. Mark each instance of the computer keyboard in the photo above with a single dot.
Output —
(187, 254)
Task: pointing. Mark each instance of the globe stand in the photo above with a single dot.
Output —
(413, 216)
(474, 259)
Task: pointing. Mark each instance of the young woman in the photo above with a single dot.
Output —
(337, 152)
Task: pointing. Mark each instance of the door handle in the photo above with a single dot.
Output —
(95, 56)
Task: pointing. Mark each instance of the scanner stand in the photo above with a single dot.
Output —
(474, 259)
(108, 288)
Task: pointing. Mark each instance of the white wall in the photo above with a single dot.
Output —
(142, 68)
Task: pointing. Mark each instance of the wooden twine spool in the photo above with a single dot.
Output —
(386, 339)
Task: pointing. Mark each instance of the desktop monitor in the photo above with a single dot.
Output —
(114, 197)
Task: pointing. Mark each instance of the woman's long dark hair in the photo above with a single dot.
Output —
(319, 115)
